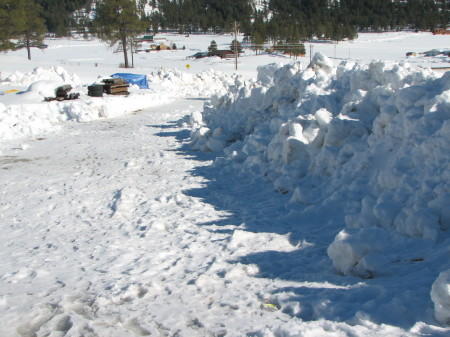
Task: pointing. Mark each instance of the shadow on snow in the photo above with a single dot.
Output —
(253, 205)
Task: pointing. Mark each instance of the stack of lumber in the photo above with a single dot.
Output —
(116, 86)
(111, 86)
(96, 90)
(62, 94)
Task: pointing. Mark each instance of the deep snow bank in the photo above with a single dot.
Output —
(26, 113)
(374, 139)
(57, 73)
(204, 84)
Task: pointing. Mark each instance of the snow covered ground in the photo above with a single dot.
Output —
(290, 199)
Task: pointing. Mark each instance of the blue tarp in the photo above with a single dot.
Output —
(140, 80)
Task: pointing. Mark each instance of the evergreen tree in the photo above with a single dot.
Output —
(297, 49)
(257, 41)
(31, 27)
(20, 20)
(195, 15)
(8, 29)
(213, 46)
(118, 22)
(235, 46)
(57, 14)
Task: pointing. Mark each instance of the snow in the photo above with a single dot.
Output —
(39, 74)
(440, 293)
(290, 198)
(375, 134)
(39, 117)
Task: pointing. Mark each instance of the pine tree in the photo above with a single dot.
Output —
(57, 14)
(19, 20)
(257, 41)
(118, 22)
(31, 27)
(213, 46)
(8, 29)
(235, 46)
(297, 49)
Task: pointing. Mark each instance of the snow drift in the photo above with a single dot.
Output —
(373, 139)
(57, 73)
(26, 114)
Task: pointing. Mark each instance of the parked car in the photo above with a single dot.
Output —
(199, 55)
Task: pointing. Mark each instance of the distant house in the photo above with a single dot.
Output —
(441, 31)
(162, 46)
(157, 47)
(145, 38)
(222, 53)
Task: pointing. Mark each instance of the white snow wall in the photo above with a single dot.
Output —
(375, 138)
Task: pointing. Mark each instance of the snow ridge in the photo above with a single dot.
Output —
(57, 73)
(372, 139)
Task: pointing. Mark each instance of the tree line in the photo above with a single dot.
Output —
(307, 18)
(284, 23)
(188, 16)
(58, 14)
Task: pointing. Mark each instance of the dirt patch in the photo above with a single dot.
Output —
(6, 162)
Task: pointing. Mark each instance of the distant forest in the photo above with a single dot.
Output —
(301, 19)
(275, 20)
(58, 14)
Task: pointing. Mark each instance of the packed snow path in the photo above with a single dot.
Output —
(115, 228)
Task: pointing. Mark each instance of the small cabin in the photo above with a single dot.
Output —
(222, 53)
(441, 31)
(162, 46)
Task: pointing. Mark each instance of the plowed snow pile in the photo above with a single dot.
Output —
(26, 113)
(370, 141)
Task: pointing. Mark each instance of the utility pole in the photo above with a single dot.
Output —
(132, 54)
(236, 51)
